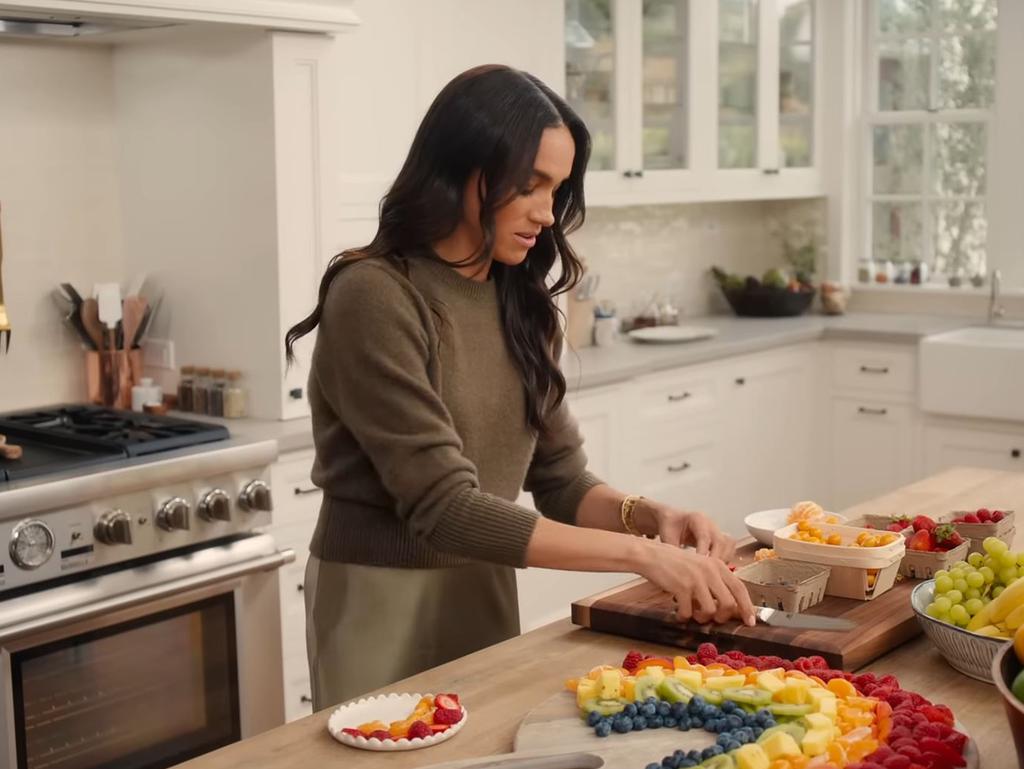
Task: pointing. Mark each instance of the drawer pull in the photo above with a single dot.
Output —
(678, 468)
(673, 398)
(874, 369)
(305, 699)
(300, 492)
(300, 587)
(876, 412)
(1015, 453)
(741, 380)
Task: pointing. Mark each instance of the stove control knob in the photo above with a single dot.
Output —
(114, 528)
(173, 515)
(215, 505)
(255, 497)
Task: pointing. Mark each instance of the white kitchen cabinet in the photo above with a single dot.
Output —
(974, 445)
(873, 448)
(692, 100)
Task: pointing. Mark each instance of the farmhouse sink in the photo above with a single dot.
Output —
(973, 372)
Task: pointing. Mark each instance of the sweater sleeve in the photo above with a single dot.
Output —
(558, 477)
(372, 362)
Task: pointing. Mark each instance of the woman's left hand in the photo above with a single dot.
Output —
(680, 528)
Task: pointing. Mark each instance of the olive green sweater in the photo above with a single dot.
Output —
(419, 422)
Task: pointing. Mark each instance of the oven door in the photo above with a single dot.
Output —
(171, 660)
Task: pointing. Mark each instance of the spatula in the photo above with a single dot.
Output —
(108, 297)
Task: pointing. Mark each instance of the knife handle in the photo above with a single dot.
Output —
(531, 760)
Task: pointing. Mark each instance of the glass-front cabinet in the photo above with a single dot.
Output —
(696, 99)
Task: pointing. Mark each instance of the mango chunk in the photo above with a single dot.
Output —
(726, 682)
(691, 679)
(751, 756)
(816, 741)
(769, 681)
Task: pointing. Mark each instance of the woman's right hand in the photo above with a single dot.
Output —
(702, 586)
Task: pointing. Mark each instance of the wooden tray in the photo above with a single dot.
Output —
(642, 611)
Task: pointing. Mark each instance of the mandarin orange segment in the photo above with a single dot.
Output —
(570, 685)
(842, 688)
(836, 754)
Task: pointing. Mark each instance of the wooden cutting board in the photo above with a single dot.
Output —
(642, 611)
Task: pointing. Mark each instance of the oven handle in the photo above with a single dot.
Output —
(45, 622)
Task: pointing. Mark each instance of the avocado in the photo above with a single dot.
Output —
(673, 690)
(795, 730)
(604, 707)
(748, 695)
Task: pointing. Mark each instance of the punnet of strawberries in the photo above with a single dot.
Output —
(928, 535)
(919, 734)
(983, 515)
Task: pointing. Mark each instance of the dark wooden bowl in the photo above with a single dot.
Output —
(1005, 668)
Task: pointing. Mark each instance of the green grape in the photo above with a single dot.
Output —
(1020, 558)
(987, 574)
(997, 590)
(973, 606)
(943, 584)
(985, 599)
(975, 559)
(1007, 559)
(994, 545)
(990, 562)
(959, 615)
(960, 584)
(932, 610)
(955, 597)
(1008, 575)
(1020, 571)
(972, 593)
(975, 579)
(957, 574)
(943, 604)
(941, 573)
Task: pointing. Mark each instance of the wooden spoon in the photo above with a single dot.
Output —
(91, 321)
(133, 310)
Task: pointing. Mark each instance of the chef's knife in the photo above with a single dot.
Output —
(779, 618)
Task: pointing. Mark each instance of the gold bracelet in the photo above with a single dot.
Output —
(628, 506)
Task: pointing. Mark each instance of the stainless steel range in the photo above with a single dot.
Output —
(139, 609)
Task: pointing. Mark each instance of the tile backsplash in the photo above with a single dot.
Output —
(667, 250)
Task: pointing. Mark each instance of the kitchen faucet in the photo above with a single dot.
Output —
(995, 311)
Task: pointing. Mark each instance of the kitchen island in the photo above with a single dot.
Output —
(499, 685)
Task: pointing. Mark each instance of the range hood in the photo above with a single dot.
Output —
(18, 23)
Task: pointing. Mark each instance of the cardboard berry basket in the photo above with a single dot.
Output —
(922, 564)
(981, 530)
(781, 584)
(861, 573)
(879, 522)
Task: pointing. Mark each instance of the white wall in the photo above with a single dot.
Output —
(58, 206)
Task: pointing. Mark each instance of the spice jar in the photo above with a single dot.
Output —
(866, 270)
(235, 396)
(201, 391)
(216, 399)
(186, 383)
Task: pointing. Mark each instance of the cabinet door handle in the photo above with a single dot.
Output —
(301, 492)
(874, 369)
(741, 380)
(1015, 453)
(876, 412)
(678, 468)
(770, 171)
(673, 398)
(300, 587)
(305, 699)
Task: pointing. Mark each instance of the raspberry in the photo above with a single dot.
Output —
(896, 761)
(899, 733)
(923, 730)
(819, 662)
(447, 716)
(938, 714)
(633, 658)
(419, 730)
(901, 744)
(707, 650)
(381, 735)
(912, 752)
(736, 655)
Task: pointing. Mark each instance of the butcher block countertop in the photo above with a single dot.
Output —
(499, 685)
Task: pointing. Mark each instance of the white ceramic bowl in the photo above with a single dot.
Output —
(968, 652)
(764, 523)
(386, 708)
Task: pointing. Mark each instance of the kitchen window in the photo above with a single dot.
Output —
(929, 104)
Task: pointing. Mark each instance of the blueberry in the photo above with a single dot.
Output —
(694, 755)
(655, 722)
(651, 701)
(711, 711)
(656, 766)
(687, 763)
(593, 718)
(757, 731)
(684, 724)
(629, 710)
(728, 706)
(639, 723)
(711, 752)
(668, 762)
(724, 739)
(670, 723)
(623, 724)
(664, 709)
(711, 726)
(679, 755)
(649, 710)
(696, 723)
(603, 729)
(734, 721)
(733, 746)
(697, 703)
(678, 710)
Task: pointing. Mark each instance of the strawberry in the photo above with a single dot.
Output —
(437, 728)
(938, 714)
(418, 730)
(997, 516)
(447, 702)
(894, 527)
(923, 523)
(984, 516)
(922, 541)
(381, 735)
(352, 732)
(903, 520)
(946, 537)
(970, 518)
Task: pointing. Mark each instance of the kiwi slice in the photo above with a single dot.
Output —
(721, 761)
(710, 696)
(646, 686)
(605, 707)
(748, 695)
(673, 690)
(786, 710)
(795, 730)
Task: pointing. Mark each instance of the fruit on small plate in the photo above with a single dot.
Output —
(391, 722)
(763, 524)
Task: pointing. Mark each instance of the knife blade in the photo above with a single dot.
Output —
(779, 618)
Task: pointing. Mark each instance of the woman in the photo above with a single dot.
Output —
(436, 396)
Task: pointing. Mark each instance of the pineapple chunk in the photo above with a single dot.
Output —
(781, 745)
(818, 721)
(629, 687)
(817, 694)
(795, 692)
(827, 707)
(770, 682)
(726, 682)
(610, 685)
(816, 741)
(655, 671)
(751, 756)
(691, 679)
(586, 690)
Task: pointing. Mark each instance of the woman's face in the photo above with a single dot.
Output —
(518, 222)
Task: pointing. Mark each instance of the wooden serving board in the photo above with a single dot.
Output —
(641, 610)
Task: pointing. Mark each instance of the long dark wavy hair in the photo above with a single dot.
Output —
(488, 119)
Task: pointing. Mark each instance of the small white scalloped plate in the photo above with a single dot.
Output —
(386, 708)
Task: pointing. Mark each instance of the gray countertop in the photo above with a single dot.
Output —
(596, 366)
